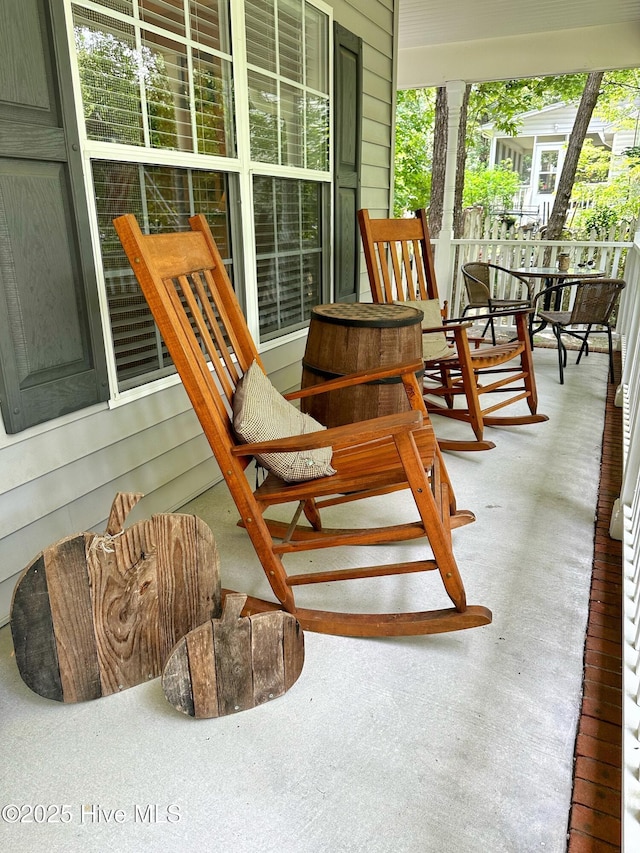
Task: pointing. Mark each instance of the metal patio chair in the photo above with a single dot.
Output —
(593, 303)
(479, 278)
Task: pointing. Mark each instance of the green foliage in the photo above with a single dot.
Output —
(613, 202)
(490, 188)
(593, 163)
(502, 102)
(599, 217)
(415, 114)
(618, 99)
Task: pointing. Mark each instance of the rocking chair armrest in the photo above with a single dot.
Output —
(341, 436)
(358, 378)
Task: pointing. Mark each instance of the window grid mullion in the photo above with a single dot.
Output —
(276, 6)
(276, 245)
(192, 86)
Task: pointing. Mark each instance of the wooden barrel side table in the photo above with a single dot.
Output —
(345, 338)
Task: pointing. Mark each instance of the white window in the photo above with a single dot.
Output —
(174, 124)
(548, 170)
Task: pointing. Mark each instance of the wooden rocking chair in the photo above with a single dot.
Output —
(401, 269)
(186, 285)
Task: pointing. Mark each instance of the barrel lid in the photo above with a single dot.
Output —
(369, 314)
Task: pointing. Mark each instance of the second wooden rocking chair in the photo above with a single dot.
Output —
(186, 285)
(401, 269)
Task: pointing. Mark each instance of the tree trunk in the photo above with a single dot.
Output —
(439, 161)
(576, 140)
(461, 158)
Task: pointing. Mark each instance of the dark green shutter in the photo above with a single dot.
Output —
(51, 350)
(347, 148)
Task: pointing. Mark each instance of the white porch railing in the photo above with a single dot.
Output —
(629, 518)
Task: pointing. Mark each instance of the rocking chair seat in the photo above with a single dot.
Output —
(487, 356)
(380, 455)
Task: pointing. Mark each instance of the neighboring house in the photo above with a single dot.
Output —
(537, 153)
(274, 119)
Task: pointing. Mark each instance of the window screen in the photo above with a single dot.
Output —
(289, 252)
(161, 198)
(144, 87)
(287, 52)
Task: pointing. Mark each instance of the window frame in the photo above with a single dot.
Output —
(241, 171)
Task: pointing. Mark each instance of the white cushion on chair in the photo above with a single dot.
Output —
(434, 344)
(261, 413)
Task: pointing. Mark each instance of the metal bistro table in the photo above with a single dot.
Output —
(552, 276)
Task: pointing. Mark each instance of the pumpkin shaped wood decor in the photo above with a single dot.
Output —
(234, 663)
(94, 614)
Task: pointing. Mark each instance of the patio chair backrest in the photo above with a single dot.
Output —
(481, 277)
(476, 282)
(595, 301)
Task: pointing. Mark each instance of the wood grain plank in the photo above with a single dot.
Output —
(202, 667)
(189, 576)
(176, 679)
(32, 631)
(232, 650)
(124, 587)
(71, 611)
(267, 659)
(122, 505)
(101, 613)
(293, 649)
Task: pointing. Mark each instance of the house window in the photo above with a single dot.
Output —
(288, 227)
(161, 198)
(288, 83)
(142, 87)
(166, 135)
(548, 171)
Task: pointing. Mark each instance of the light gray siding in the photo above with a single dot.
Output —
(374, 21)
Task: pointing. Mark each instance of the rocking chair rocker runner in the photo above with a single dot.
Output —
(400, 267)
(186, 285)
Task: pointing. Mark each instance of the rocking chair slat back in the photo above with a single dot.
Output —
(401, 268)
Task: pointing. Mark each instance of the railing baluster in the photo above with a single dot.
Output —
(628, 325)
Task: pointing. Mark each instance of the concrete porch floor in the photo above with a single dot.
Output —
(457, 743)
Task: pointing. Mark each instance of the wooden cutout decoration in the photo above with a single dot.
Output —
(94, 614)
(234, 663)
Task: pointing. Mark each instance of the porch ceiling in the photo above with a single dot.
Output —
(474, 40)
(434, 22)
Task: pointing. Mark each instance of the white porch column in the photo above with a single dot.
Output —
(444, 256)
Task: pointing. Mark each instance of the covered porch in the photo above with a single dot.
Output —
(442, 744)
(461, 742)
